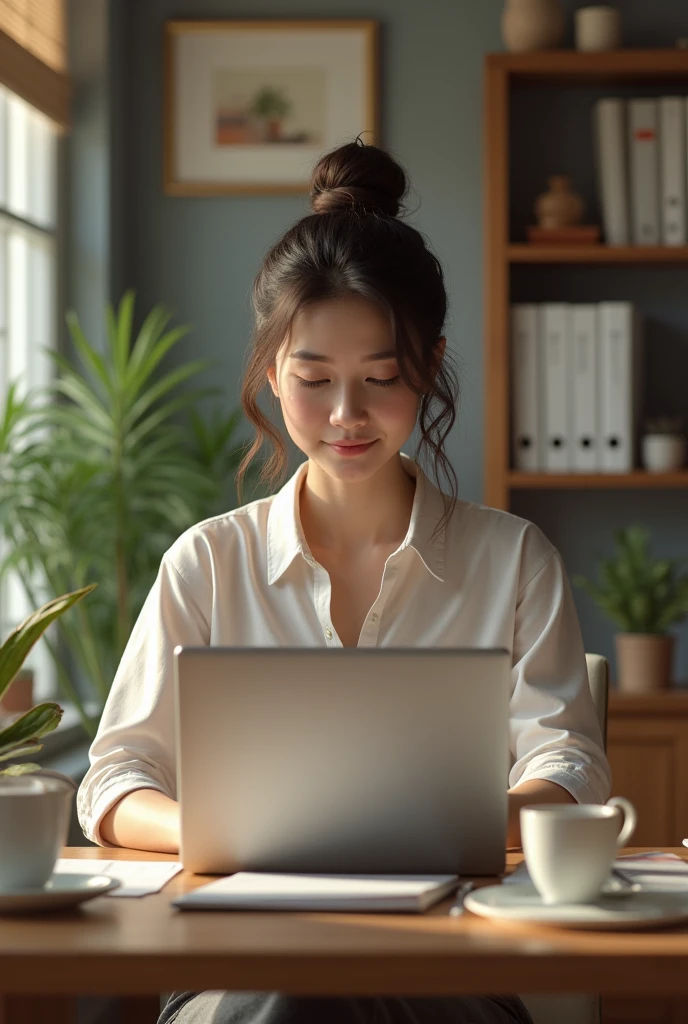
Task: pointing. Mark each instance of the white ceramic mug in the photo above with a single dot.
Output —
(597, 29)
(34, 823)
(570, 848)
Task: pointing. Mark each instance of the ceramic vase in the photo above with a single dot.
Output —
(560, 207)
(597, 29)
(663, 453)
(532, 25)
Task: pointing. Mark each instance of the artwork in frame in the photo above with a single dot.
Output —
(250, 106)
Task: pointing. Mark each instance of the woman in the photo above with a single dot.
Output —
(358, 548)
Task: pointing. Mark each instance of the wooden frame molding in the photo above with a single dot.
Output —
(174, 28)
(41, 86)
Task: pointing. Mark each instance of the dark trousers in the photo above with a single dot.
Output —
(273, 1008)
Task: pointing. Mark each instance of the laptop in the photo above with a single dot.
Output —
(352, 760)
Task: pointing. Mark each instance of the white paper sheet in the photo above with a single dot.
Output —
(138, 877)
(655, 871)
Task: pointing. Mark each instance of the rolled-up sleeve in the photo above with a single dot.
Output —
(135, 744)
(555, 734)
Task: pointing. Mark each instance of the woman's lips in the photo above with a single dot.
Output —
(350, 450)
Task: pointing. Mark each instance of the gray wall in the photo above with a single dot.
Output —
(199, 254)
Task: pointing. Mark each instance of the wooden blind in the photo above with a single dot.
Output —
(33, 60)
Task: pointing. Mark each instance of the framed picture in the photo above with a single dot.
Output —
(250, 106)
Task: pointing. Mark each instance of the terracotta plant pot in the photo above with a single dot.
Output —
(19, 697)
(529, 25)
(644, 661)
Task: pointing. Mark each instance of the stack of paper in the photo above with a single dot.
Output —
(653, 871)
(138, 877)
(656, 872)
(248, 890)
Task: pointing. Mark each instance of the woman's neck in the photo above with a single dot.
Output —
(341, 516)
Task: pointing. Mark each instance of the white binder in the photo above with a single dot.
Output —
(612, 173)
(585, 379)
(619, 341)
(556, 377)
(526, 433)
(643, 126)
(672, 149)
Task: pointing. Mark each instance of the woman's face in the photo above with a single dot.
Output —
(337, 379)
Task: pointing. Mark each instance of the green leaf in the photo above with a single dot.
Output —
(21, 751)
(20, 641)
(88, 354)
(121, 334)
(28, 728)
(21, 769)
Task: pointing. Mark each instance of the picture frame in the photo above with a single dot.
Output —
(250, 106)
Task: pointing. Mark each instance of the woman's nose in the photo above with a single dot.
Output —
(349, 410)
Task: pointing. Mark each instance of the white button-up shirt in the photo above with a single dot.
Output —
(247, 578)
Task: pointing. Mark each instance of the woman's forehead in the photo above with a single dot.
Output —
(340, 327)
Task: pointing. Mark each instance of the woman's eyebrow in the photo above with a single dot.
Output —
(313, 357)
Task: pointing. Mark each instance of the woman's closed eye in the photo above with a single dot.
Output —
(380, 382)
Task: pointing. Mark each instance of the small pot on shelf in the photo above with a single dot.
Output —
(529, 25)
(663, 446)
(644, 661)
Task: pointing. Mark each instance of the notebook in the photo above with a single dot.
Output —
(249, 890)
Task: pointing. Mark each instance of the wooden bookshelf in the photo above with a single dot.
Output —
(598, 481)
(525, 253)
(564, 69)
(569, 67)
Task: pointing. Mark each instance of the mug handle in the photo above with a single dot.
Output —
(630, 818)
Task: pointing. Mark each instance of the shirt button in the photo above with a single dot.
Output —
(328, 633)
(373, 617)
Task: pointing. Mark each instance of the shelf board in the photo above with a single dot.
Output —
(524, 253)
(602, 481)
(569, 66)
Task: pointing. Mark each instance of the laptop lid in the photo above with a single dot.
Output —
(349, 760)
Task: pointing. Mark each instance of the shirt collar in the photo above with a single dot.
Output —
(286, 540)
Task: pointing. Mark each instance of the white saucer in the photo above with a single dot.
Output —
(522, 904)
(60, 891)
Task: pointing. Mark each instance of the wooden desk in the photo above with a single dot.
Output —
(137, 947)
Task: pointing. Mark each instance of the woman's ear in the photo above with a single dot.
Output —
(272, 377)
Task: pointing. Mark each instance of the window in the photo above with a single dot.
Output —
(38, 26)
(28, 201)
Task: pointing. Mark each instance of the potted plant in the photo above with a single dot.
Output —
(100, 479)
(663, 445)
(21, 736)
(645, 597)
(271, 106)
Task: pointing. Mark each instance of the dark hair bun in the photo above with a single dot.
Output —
(358, 176)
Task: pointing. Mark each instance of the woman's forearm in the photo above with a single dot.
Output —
(144, 819)
(537, 791)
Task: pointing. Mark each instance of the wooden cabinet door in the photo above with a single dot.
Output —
(649, 762)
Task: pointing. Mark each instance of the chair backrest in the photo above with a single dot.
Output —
(598, 675)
